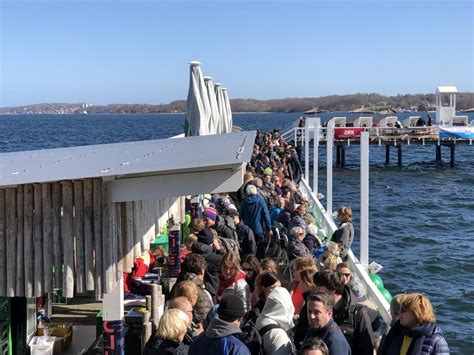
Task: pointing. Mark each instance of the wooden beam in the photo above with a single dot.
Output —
(38, 240)
(47, 237)
(79, 235)
(20, 265)
(11, 228)
(3, 246)
(88, 235)
(57, 241)
(67, 236)
(28, 242)
(107, 252)
(97, 213)
(127, 231)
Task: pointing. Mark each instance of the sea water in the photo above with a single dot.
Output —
(421, 215)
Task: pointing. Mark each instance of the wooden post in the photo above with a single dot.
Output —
(11, 226)
(28, 241)
(38, 240)
(137, 249)
(79, 234)
(117, 239)
(438, 153)
(155, 300)
(343, 156)
(97, 212)
(338, 155)
(146, 334)
(453, 147)
(47, 237)
(387, 154)
(88, 235)
(3, 246)
(20, 270)
(127, 231)
(67, 236)
(399, 146)
(57, 242)
(107, 246)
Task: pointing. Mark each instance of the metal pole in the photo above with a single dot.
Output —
(317, 124)
(306, 150)
(329, 145)
(364, 199)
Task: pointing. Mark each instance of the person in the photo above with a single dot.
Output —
(232, 281)
(168, 339)
(416, 332)
(247, 243)
(345, 233)
(194, 329)
(430, 121)
(222, 335)
(206, 247)
(297, 219)
(421, 122)
(359, 324)
(254, 213)
(224, 226)
(188, 244)
(280, 205)
(251, 266)
(268, 264)
(323, 326)
(296, 247)
(314, 347)
(275, 321)
(330, 257)
(357, 289)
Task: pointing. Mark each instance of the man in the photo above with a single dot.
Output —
(254, 213)
(224, 227)
(297, 218)
(323, 326)
(296, 247)
(314, 347)
(247, 243)
(221, 337)
(359, 324)
(280, 206)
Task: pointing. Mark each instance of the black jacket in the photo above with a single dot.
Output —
(247, 243)
(158, 346)
(213, 259)
(350, 318)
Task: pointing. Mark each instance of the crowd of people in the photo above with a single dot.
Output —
(229, 296)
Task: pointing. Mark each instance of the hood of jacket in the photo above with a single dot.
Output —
(201, 248)
(278, 309)
(252, 199)
(219, 328)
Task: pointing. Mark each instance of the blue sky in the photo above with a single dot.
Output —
(105, 52)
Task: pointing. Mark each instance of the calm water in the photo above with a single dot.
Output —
(421, 215)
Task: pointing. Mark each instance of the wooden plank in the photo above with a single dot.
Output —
(20, 266)
(127, 232)
(79, 235)
(57, 241)
(137, 248)
(67, 236)
(11, 226)
(47, 237)
(107, 251)
(97, 213)
(38, 240)
(3, 246)
(88, 235)
(117, 240)
(28, 251)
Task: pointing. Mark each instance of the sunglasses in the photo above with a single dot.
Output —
(347, 274)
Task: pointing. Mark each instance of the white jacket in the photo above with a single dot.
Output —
(278, 310)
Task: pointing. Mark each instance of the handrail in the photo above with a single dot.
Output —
(328, 227)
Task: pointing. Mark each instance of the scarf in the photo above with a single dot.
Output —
(224, 283)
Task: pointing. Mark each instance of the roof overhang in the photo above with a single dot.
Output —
(140, 170)
(446, 90)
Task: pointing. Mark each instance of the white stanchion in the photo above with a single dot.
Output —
(317, 125)
(329, 146)
(364, 199)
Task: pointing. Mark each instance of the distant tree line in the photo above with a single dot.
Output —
(343, 103)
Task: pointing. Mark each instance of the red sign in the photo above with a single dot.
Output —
(348, 132)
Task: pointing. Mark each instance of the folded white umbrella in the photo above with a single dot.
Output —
(198, 110)
(228, 112)
(220, 107)
(214, 120)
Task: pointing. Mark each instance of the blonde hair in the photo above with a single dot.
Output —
(197, 225)
(269, 265)
(173, 324)
(331, 262)
(345, 213)
(306, 267)
(190, 240)
(187, 289)
(420, 305)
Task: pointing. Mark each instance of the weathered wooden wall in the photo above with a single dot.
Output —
(69, 235)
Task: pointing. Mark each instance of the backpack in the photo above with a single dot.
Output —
(229, 245)
(253, 338)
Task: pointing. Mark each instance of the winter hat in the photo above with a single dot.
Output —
(210, 212)
(231, 306)
(205, 236)
(233, 212)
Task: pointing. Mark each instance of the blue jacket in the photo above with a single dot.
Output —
(332, 337)
(254, 212)
(220, 338)
(428, 339)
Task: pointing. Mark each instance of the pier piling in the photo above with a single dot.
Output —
(453, 150)
(438, 153)
(399, 146)
(387, 154)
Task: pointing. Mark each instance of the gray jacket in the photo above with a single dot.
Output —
(345, 236)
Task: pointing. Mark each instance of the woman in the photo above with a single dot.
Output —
(303, 270)
(269, 264)
(190, 290)
(251, 266)
(331, 256)
(232, 280)
(416, 332)
(345, 233)
(168, 339)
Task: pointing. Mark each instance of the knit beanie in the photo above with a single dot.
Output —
(210, 212)
(205, 236)
(231, 306)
